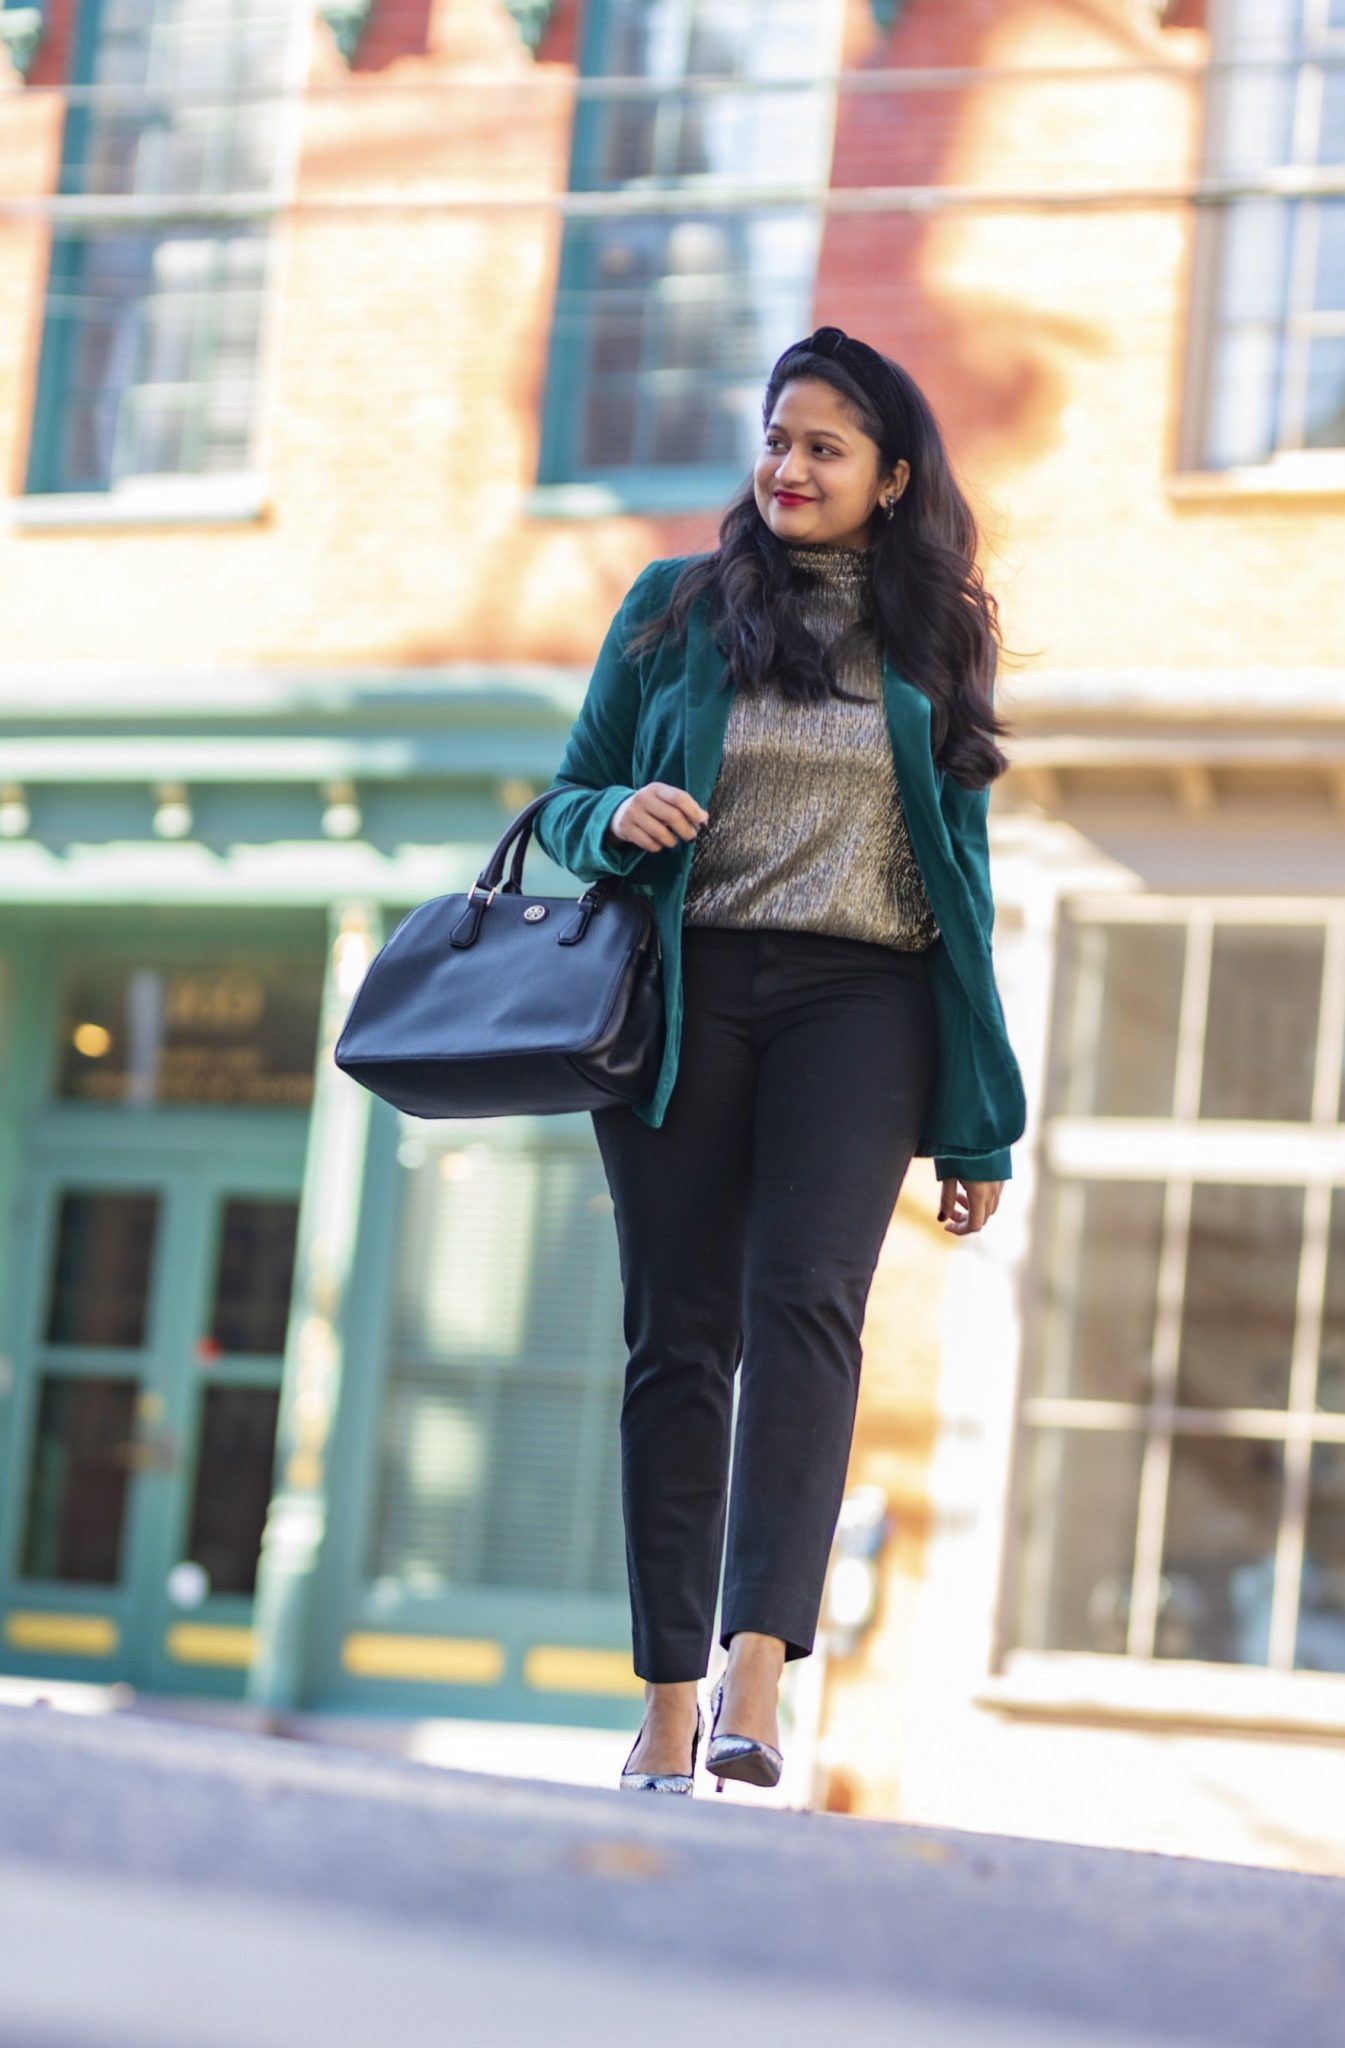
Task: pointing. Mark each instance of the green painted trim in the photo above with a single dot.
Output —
(21, 34)
(189, 1182)
(530, 18)
(64, 268)
(371, 757)
(114, 696)
(623, 492)
(190, 1154)
(24, 1031)
(511, 1701)
(318, 1342)
(347, 20)
(288, 875)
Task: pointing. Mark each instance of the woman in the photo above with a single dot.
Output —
(787, 744)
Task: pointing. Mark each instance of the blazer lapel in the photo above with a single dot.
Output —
(707, 706)
(920, 781)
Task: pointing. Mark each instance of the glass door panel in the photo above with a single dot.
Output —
(152, 1346)
(99, 1288)
(234, 1397)
(78, 1480)
(235, 1457)
(83, 1450)
(254, 1276)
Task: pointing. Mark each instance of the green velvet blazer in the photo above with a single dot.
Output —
(661, 717)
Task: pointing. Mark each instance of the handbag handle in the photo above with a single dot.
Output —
(491, 882)
(516, 833)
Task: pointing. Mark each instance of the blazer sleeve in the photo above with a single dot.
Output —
(967, 812)
(595, 768)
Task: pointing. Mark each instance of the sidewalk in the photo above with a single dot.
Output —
(176, 1886)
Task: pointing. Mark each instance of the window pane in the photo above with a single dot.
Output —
(1245, 392)
(1261, 1028)
(1219, 1550)
(1331, 137)
(1098, 1287)
(1321, 1613)
(675, 318)
(206, 122)
(134, 324)
(254, 1277)
(431, 1471)
(234, 1465)
(1121, 988)
(1076, 1540)
(1331, 1359)
(1241, 1287)
(500, 1461)
(666, 327)
(181, 148)
(221, 1029)
(1324, 411)
(100, 1276)
(77, 1482)
(1330, 292)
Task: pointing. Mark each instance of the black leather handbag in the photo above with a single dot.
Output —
(500, 1003)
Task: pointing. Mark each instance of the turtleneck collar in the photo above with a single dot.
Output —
(826, 560)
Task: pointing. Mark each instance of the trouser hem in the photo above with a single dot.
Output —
(671, 1659)
(769, 1609)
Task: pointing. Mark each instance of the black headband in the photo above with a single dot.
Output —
(863, 363)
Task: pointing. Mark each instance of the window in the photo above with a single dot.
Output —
(230, 1027)
(1181, 1483)
(499, 1464)
(667, 320)
(152, 326)
(1275, 379)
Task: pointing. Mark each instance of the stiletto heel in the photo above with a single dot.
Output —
(664, 1781)
(739, 1756)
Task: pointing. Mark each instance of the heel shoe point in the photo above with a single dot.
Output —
(740, 1756)
(664, 1781)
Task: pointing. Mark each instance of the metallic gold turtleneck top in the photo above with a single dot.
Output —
(807, 830)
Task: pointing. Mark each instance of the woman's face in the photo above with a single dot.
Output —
(826, 466)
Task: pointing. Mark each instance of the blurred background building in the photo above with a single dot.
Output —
(352, 363)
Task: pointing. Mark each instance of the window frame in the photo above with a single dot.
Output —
(1289, 467)
(229, 495)
(1079, 1148)
(564, 486)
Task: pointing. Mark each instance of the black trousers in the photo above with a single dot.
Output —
(749, 1226)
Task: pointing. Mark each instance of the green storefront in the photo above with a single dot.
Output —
(300, 1401)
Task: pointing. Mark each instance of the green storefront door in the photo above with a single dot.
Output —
(154, 1291)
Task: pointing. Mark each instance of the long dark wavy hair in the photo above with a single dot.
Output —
(927, 606)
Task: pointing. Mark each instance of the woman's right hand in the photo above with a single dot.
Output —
(656, 816)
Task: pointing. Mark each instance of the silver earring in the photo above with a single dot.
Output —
(889, 507)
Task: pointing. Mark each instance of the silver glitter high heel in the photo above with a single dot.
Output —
(664, 1781)
(740, 1756)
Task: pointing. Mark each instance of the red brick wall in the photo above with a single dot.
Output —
(411, 346)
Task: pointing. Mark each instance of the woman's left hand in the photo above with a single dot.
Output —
(970, 1208)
